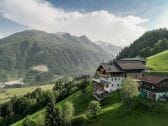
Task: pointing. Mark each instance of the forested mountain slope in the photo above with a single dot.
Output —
(39, 52)
(150, 43)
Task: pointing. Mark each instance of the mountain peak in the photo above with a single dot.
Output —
(84, 37)
(108, 47)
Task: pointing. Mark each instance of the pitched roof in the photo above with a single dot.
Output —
(153, 79)
(131, 65)
(133, 59)
(111, 67)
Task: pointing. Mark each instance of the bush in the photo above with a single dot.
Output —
(68, 112)
(94, 107)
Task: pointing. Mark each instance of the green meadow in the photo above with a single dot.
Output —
(7, 94)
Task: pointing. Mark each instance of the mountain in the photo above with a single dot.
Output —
(32, 52)
(158, 62)
(148, 44)
(110, 48)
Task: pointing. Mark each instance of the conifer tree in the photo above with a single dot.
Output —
(53, 114)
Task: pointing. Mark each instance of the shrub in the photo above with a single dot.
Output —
(94, 107)
(68, 112)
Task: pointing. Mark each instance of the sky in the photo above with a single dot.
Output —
(118, 22)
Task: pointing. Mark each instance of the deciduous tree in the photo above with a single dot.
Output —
(129, 91)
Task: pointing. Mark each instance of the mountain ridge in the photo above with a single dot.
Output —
(61, 53)
(108, 47)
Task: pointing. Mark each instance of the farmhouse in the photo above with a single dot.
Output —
(109, 76)
(155, 87)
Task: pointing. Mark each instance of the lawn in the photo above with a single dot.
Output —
(9, 93)
(118, 115)
(158, 62)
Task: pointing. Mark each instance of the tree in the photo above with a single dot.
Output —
(145, 52)
(83, 85)
(53, 115)
(58, 86)
(94, 107)
(160, 46)
(129, 91)
(68, 113)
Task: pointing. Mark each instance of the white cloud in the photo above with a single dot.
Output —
(162, 20)
(97, 25)
(1, 35)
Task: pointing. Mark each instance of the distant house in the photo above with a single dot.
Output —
(155, 87)
(14, 84)
(109, 76)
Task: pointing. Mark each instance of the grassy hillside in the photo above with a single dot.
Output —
(79, 100)
(158, 62)
(7, 94)
(145, 113)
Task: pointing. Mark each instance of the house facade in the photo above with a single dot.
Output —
(109, 76)
(155, 88)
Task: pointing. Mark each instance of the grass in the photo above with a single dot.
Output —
(9, 93)
(79, 100)
(118, 115)
(113, 113)
(158, 62)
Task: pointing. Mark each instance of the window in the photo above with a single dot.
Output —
(118, 85)
(107, 86)
(118, 78)
(115, 79)
(112, 79)
(112, 85)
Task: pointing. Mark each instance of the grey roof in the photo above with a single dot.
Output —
(133, 59)
(131, 65)
(111, 67)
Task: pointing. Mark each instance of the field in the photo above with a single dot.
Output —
(113, 112)
(159, 62)
(6, 94)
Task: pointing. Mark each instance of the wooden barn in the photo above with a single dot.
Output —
(155, 87)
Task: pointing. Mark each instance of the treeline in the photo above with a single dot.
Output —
(19, 107)
(158, 47)
(148, 44)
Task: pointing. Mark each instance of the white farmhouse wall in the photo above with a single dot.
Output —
(160, 95)
(114, 84)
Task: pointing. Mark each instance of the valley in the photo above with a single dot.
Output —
(39, 67)
(7, 94)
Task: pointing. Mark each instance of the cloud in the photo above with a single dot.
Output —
(162, 20)
(1, 35)
(97, 25)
